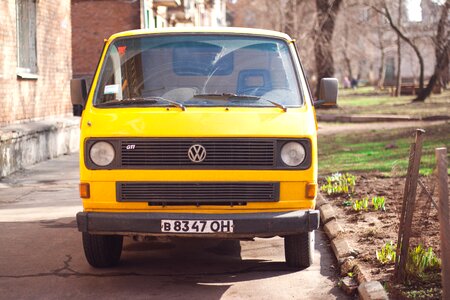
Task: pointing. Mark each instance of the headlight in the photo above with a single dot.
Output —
(293, 154)
(102, 154)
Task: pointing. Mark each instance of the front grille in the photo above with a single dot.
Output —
(158, 153)
(197, 193)
(181, 154)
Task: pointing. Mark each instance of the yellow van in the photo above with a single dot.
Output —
(199, 133)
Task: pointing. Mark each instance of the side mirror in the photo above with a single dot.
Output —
(328, 92)
(78, 95)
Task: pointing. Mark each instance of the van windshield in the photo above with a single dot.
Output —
(200, 70)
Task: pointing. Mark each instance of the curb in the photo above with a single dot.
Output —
(376, 118)
(367, 290)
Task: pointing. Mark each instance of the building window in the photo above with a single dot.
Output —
(365, 14)
(26, 38)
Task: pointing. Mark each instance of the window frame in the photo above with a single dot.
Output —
(298, 73)
(26, 39)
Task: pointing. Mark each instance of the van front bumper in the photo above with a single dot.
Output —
(245, 225)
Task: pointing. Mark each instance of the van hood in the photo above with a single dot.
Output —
(198, 122)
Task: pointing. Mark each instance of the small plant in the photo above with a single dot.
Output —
(362, 204)
(424, 293)
(421, 260)
(347, 203)
(339, 183)
(379, 203)
(387, 253)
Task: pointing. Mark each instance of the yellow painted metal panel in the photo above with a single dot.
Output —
(103, 198)
(233, 122)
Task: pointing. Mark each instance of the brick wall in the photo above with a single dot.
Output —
(92, 22)
(24, 100)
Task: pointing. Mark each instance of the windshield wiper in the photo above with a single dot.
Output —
(242, 97)
(174, 103)
(142, 100)
(284, 108)
(127, 101)
(219, 95)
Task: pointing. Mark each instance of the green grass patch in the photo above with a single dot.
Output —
(364, 101)
(365, 90)
(379, 150)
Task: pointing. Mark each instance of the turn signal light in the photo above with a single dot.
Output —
(85, 190)
(311, 190)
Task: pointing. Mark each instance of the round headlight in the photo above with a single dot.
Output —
(102, 154)
(293, 154)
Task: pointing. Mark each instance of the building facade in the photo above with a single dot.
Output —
(95, 20)
(36, 120)
(35, 63)
(92, 22)
(46, 43)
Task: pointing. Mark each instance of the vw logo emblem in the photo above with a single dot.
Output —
(197, 153)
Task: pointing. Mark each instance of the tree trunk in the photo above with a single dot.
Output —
(441, 52)
(348, 65)
(323, 50)
(382, 68)
(399, 33)
(290, 16)
(381, 73)
(348, 62)
(398, 90)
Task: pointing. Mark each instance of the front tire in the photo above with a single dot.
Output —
(102, 251)
(299, 250)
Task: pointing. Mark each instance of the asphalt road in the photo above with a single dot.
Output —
(41, 255)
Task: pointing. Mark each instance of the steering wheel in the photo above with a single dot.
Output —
(253, 91)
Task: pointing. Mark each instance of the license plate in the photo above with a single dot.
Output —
(202, 226)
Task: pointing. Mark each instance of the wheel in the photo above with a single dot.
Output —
(102, 251)
(299, 250)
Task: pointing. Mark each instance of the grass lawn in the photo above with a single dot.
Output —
(366, 100)
(386, 151)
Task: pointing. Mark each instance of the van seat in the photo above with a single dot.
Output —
(254, 82)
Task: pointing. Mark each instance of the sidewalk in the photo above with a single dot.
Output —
(45, 191)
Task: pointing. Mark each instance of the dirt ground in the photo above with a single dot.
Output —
(368, 231)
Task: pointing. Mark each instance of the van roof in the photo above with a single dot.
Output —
(203, 30)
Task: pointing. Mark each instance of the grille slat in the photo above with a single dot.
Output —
(200, 193)
(149, 153)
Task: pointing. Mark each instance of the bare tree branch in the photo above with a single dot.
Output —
(386, 13)
(442, 49)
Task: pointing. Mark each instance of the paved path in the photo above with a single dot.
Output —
(334, 128)
(41, 255)
(44, 191)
